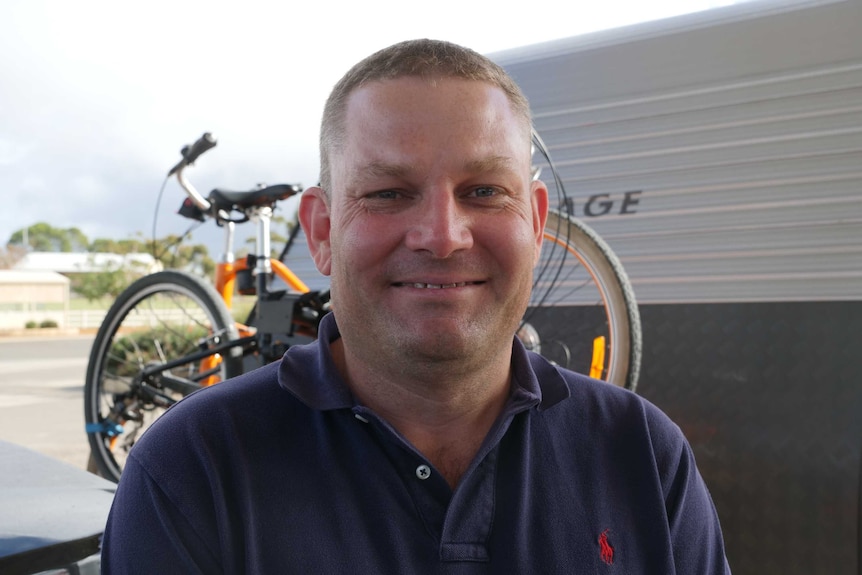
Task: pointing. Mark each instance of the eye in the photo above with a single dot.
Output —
(384, 195)
(484, 192)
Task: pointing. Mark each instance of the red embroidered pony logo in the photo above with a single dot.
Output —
(607, 552)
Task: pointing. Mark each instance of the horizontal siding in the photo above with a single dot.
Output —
(298, 259)
(742, 187)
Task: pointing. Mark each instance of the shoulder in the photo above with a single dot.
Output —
(606, 413)
(572, 390)
(616, 432)
(256, 387)
(212, 416)
(627, 446)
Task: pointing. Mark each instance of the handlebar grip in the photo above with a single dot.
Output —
(192, 152)
(204, 143)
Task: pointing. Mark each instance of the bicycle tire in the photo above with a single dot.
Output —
(581, 292)
(160, 317)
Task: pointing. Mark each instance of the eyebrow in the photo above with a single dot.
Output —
(383, 169)
(480, 166)
(489, 164)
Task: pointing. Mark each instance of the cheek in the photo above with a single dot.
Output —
(357, 243)
(519, 242)
(512, 251)
(528, 257)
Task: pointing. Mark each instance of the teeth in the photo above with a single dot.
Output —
(436, 286)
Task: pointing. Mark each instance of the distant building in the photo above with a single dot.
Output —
(35, 296)
(84, 262)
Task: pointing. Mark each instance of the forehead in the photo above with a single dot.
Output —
(429, 98)
(428, 117)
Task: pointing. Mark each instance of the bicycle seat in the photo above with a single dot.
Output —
(227, 200)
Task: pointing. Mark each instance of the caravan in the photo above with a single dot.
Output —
(720, 156)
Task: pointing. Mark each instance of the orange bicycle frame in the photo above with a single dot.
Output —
(225, 283)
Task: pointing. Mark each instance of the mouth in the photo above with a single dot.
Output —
(421, 285)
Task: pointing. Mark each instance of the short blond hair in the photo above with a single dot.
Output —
(424, 58)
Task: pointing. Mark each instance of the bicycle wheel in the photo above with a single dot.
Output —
(163, 317)
(583, 314)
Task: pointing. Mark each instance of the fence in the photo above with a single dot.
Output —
(90, 319)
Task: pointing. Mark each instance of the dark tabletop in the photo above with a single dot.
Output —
(51, 513)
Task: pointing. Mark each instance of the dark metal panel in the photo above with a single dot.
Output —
(770, 397)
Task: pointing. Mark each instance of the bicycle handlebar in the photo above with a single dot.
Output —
(204, 143)
(190, 154)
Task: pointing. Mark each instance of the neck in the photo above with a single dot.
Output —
(445, 411)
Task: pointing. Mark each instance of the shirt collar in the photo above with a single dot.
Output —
(309, 373)
(536, 381)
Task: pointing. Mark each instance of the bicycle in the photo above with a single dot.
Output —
(171, 333)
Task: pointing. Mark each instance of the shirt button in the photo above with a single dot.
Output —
(423, 472)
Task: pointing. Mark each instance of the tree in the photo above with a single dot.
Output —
(104, 245)
(110, 282)
(172, 253)
(10, 255)
(44, 237)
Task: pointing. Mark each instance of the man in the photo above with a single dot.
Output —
(417, 435)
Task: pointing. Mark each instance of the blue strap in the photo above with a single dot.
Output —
(106, 427)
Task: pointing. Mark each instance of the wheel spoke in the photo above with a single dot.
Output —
(160, 318)
(581, 301)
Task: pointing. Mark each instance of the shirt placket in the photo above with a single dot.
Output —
(459, 521)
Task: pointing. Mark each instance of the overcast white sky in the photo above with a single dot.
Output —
(98, 97)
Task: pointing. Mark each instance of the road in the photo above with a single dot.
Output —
(41, 395)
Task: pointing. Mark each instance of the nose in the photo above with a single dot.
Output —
(440, 226)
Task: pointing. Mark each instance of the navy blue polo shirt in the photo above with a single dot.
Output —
(282, 471)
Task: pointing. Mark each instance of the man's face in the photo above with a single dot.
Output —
(433, 225)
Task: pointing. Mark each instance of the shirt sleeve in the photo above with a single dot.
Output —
(698, 545)
(147, 532)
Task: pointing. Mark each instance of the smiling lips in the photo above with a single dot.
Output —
(420, 285)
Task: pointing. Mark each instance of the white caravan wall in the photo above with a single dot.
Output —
(720, 153)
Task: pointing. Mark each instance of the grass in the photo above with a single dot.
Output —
(240, 309)
(80, 303)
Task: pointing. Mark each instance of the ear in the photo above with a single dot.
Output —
(315, 219)
(539, 200)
